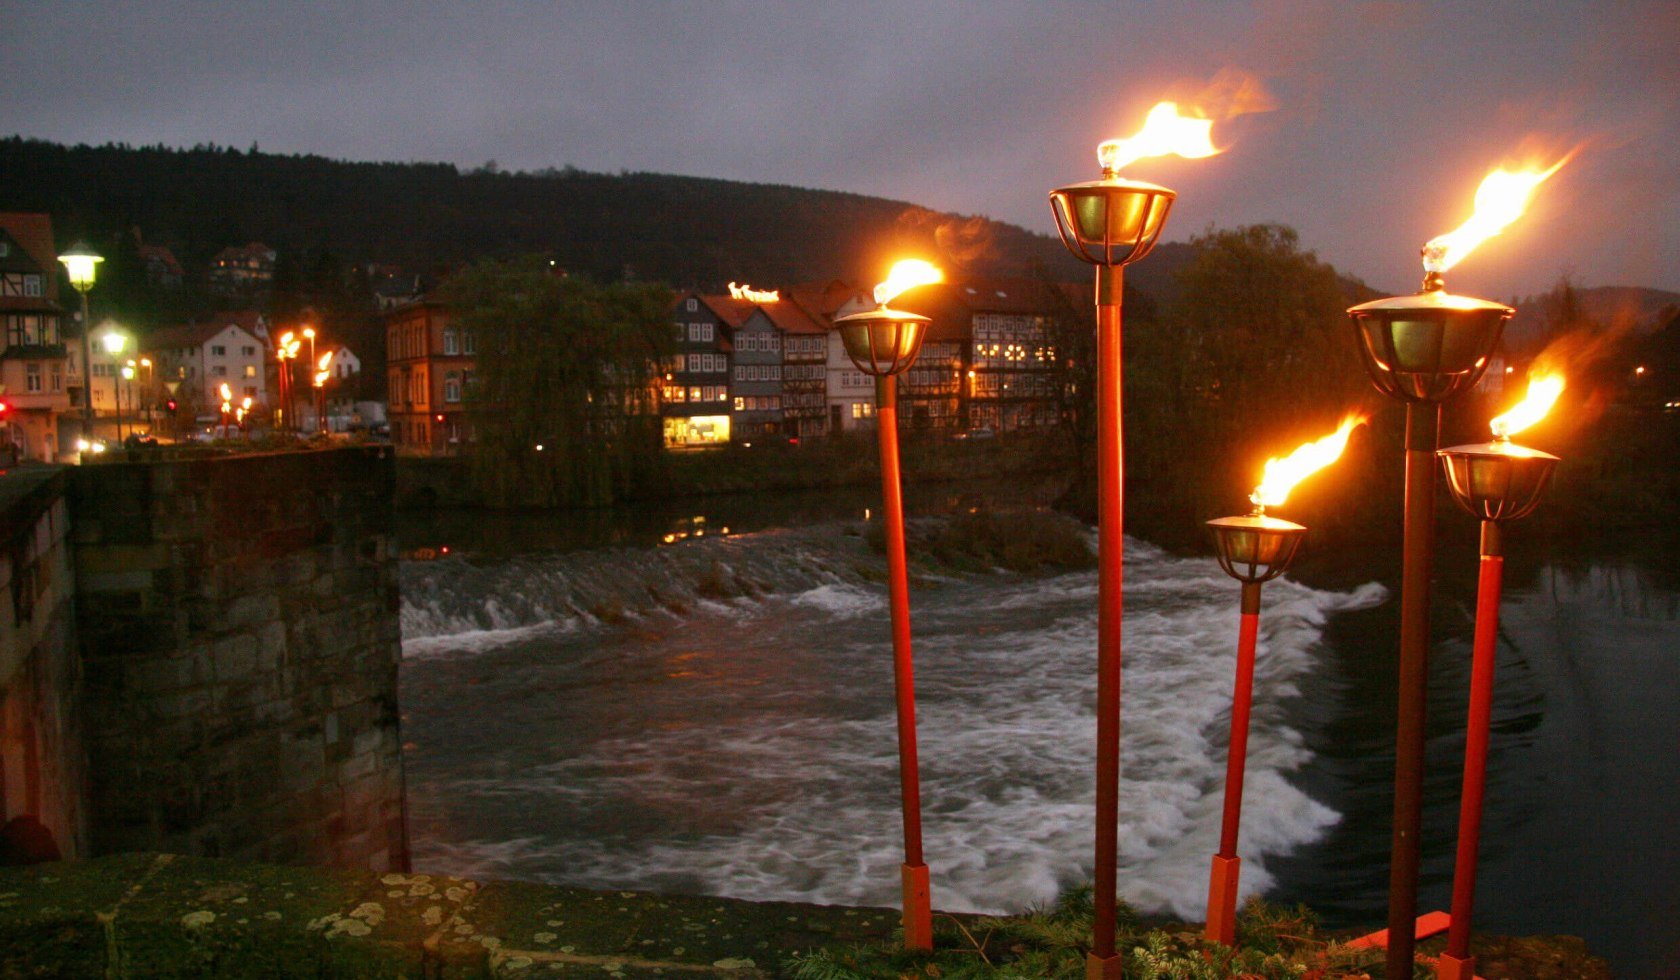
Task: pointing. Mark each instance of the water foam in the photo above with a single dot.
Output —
(778, 775)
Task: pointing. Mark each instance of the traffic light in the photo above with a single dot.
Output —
(172, 405)
(5, 410)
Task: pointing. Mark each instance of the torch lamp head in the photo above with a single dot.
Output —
(1429, 346)
(1255, 548)
(1113, 221)
(882, 341)
(1499, 480)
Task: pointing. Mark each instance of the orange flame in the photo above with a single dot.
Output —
(226, 392)
(325, 360)
(1543, 392)
(1283, 473)
(1500, 200)
(906, 274)
(1164, 132)
(751, 295)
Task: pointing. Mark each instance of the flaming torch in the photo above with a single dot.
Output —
(883, 343)
(1111, 223)
(322, 373)
(1495, 481)
(1424, 349)
(227, 406)
(1253, 549)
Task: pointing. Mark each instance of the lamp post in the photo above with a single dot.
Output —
(883, 343)
(1109, 223)
(114, 342)
(81, 262)
(1496, 482)
(127, 375)
(1254, 549)
(322, 373)
(147, 390)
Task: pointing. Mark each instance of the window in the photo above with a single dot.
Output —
(31, 285)
(218, 350)
(862, 410)
(57, 378)
(693, 304)
(469, 342)
(740, 403)
(451, 343)
(250, 391)
(219, 371)
(452, 387)
(32, 376)
(694, 394)
(694, 362)
(248, 351)
(250, 370)
(694, 332)
(705, 331)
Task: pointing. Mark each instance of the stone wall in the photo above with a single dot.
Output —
(40, 748)
(240, 642)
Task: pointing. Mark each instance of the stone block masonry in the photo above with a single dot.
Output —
(240, 642)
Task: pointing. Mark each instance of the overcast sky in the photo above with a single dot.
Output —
(1387, 114)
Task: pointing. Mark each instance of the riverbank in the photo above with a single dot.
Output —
(164, 915)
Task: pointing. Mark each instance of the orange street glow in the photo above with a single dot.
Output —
(1283, 473)
(1164, 132)
(1543, 392)
(906, 274)
(226, 392)
(752, 295)
(1500, 200)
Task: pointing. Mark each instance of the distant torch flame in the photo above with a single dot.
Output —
(1543, 392)
(1500, 200)
(325, 360)
(1282, 473)
(752, 295)
(907, 274)
(226, 392)
(1164, 132)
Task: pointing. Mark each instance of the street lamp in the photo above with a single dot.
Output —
(1254, 549)
(81, 263)
(883, 343)
(1111, 223)
(1423, 349)
(322, 373)
(127, 375)
(114, 341)
(1495, 481)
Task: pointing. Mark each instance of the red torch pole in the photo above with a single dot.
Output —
(1103, 962)
(1423, 420)
(918, 912)
(1457, 963)
(1222, 888)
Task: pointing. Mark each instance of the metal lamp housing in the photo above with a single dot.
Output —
(1112, 221)
(882, 342)
(1429, 346)
(1255, 548)
(1497, 481)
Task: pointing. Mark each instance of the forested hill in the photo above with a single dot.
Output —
(680, 230)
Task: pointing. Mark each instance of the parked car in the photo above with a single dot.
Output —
(980, 432)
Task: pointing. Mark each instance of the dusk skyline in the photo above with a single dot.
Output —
(1385, 118)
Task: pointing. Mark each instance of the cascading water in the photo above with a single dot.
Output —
(717, 716)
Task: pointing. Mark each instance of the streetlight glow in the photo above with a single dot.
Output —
(81, 262)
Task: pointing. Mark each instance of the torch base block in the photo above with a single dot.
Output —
(1102, 967)
(918, 906)
(1450, 967)
(1222, 900)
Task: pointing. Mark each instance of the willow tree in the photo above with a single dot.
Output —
(562, 399)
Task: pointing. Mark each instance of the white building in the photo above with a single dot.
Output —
(228, 349)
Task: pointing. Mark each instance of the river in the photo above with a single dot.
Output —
(648, 700)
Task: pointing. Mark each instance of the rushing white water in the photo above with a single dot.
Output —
(718, 716)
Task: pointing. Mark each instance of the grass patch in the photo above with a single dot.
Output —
(1272, 943)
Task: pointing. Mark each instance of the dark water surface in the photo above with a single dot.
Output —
(589, 703)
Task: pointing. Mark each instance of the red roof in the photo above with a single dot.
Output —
(33, 233)
(160, 253)
(791, 317)
(730, 310)
(199, 334)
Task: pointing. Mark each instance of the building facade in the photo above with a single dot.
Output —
(230, 348)
(755, 380)
(695, 403)
(429, 367)
(34, 363)
(242, 268)
(804, 368)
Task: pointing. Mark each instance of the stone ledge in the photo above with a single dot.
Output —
(166, 915)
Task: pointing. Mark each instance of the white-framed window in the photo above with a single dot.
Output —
(31, 285)
(694, 363)
(694, 332)
(740, 373)
(451, 342)
(57, 378)
(32, 376)
(452, 387)
(693, 304)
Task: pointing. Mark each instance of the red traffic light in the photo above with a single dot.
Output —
(171, 404)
